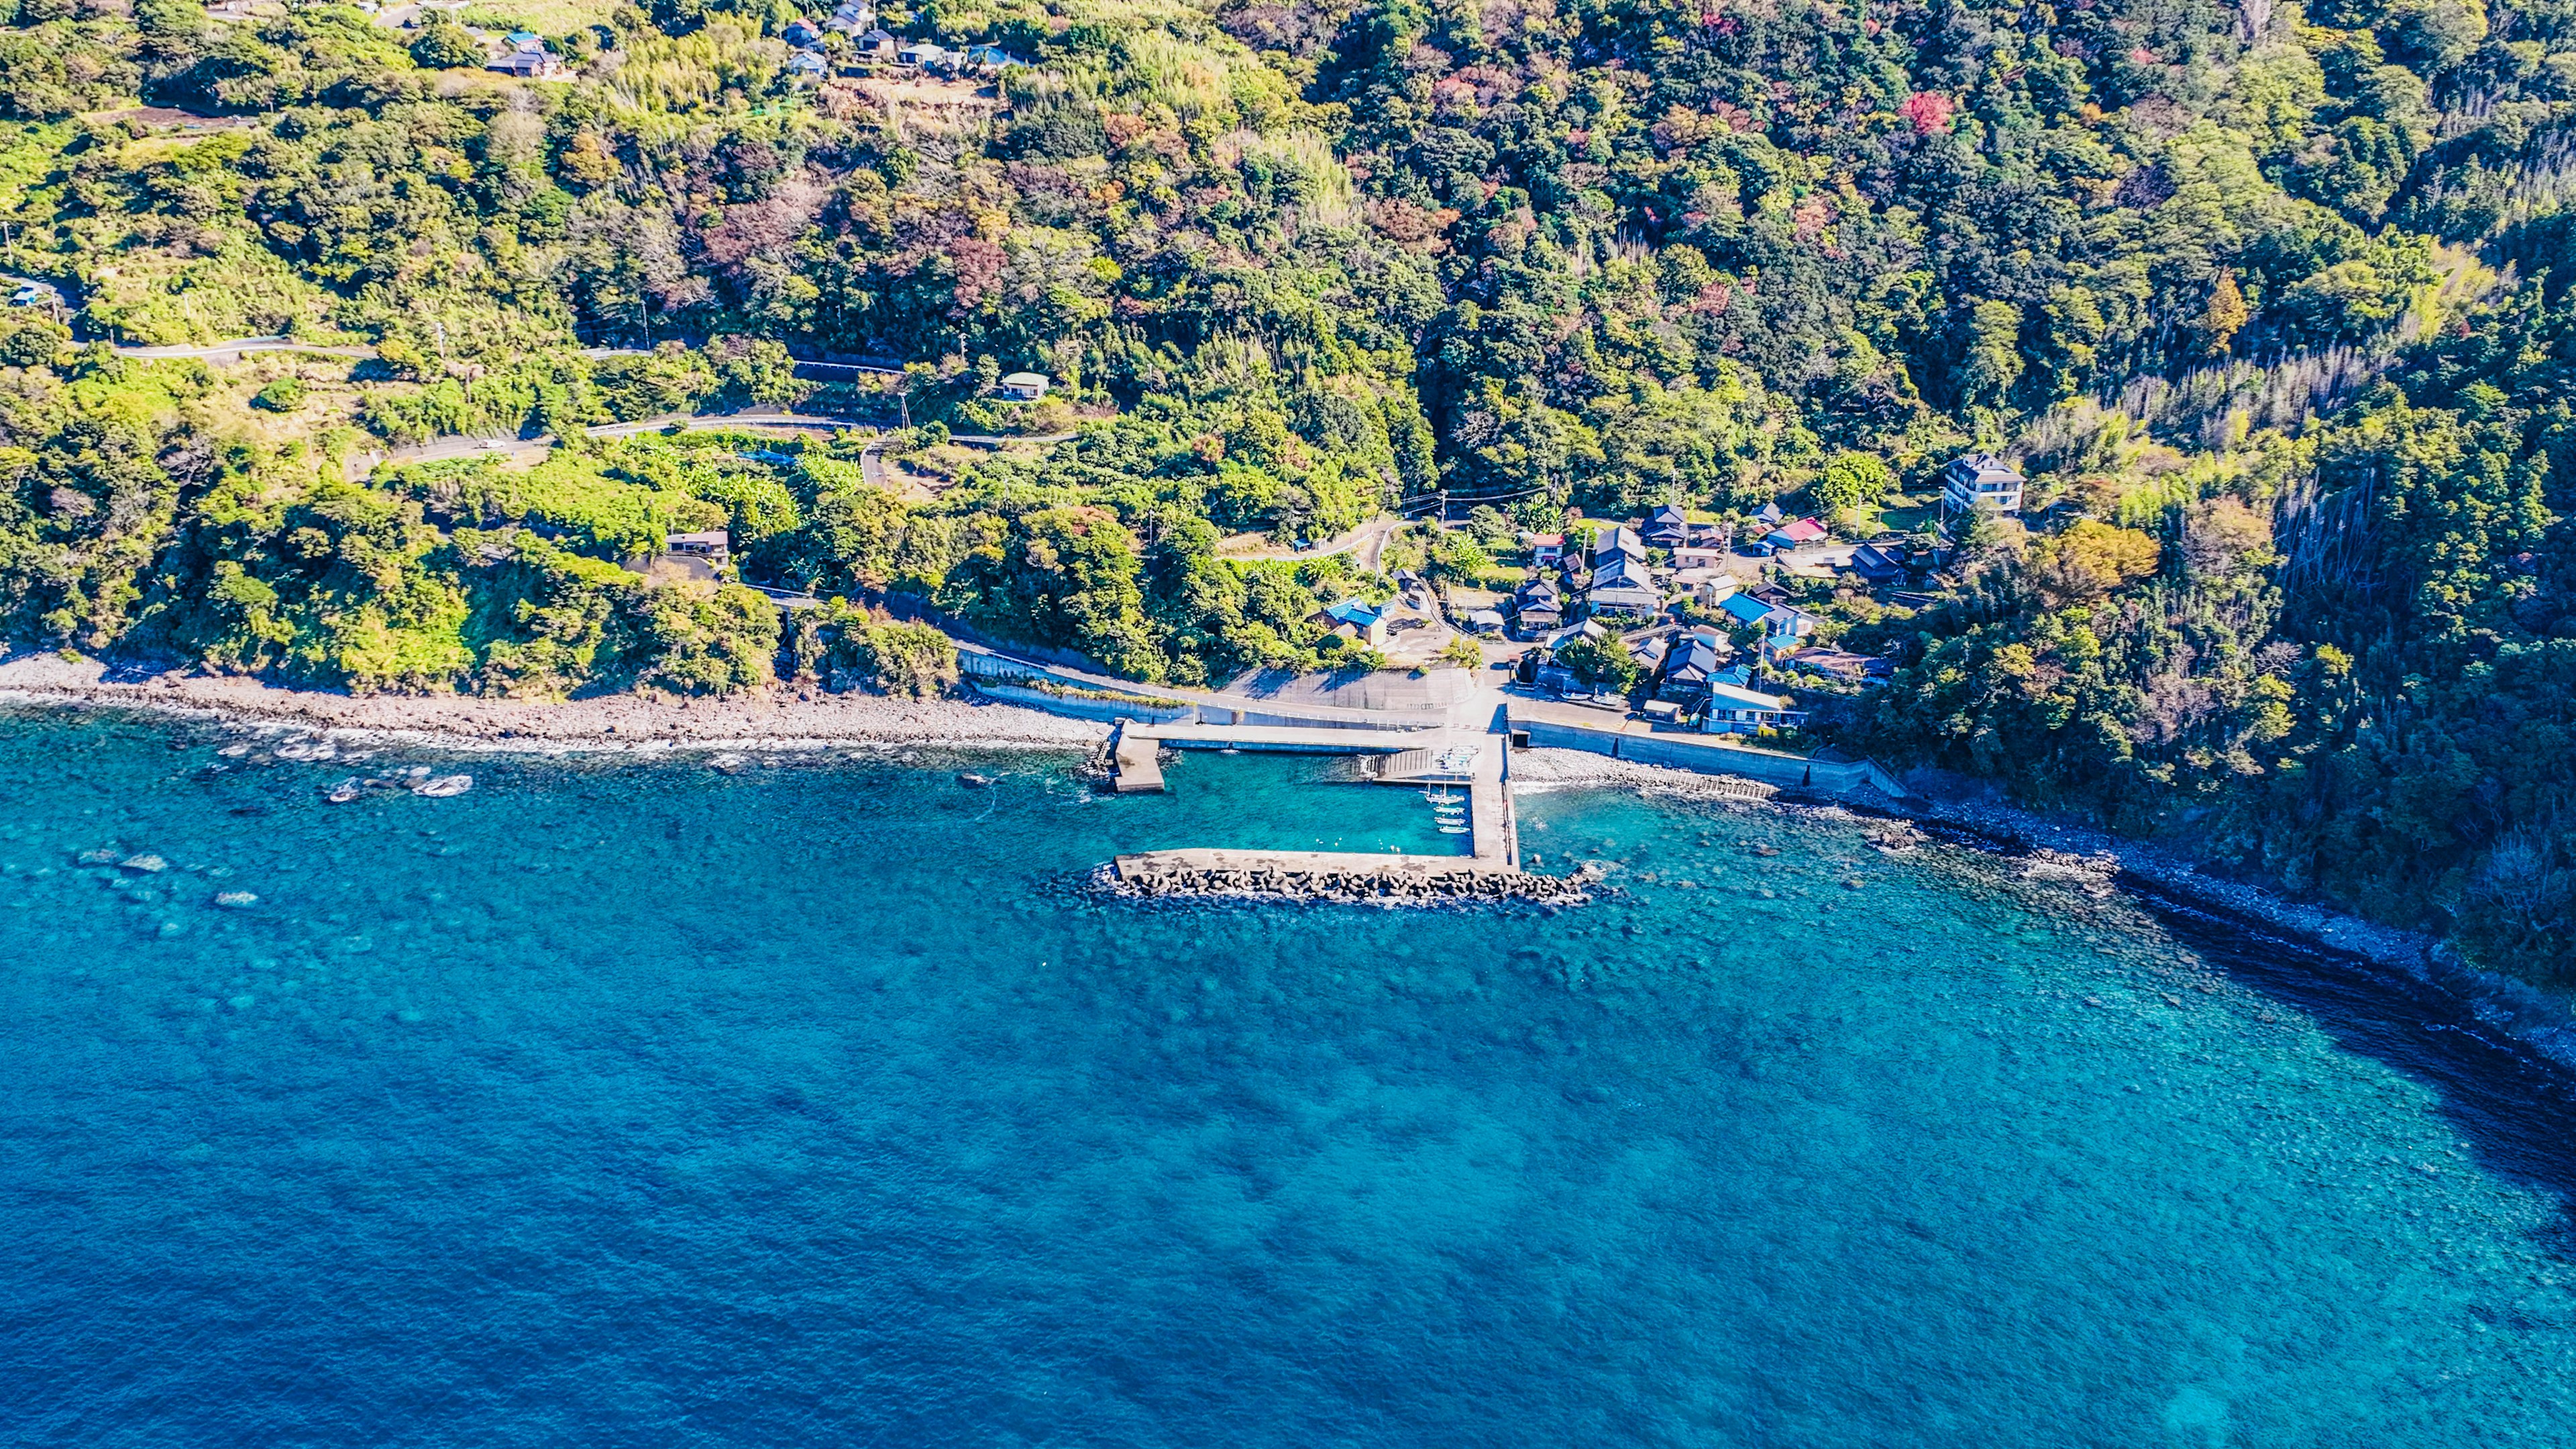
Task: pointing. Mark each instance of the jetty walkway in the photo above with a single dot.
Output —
(1476, 763)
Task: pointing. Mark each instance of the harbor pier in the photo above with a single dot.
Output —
(1473, 762)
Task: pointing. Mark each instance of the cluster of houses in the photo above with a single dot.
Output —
(1705, 675)
(875, 45)
(1624, 579)
(1697, 681)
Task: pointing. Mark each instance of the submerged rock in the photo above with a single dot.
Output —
(99, 857)
(144, 864)
(236, 900)
(973, 781)
(444, 786)
(344, 792)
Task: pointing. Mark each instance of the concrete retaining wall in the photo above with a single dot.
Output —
(1077, 707)
(1702, 754)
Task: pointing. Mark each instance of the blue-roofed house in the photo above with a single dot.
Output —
(523, 39)
(1783, 625)
(1355, 619)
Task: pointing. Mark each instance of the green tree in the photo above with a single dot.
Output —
(1853, 480)
(444, 45)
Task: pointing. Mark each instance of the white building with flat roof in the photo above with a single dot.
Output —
(1981, 480)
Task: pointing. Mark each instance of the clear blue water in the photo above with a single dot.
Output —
(620, 1104)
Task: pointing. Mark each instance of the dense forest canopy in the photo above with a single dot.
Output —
(2268, 303)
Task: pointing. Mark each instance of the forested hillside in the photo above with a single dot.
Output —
(2268, 304)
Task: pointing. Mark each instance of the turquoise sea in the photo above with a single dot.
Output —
(640, 1104)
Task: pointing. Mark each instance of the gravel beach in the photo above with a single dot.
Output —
(621, 721)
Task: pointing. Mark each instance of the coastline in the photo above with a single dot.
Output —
(2518, 1012)
(774, 718)
(786, 719)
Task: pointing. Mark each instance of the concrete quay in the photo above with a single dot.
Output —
(1409, 758)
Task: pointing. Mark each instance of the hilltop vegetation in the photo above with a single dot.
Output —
(2267, 302)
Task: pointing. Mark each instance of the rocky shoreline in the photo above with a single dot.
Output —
(2515, 1010)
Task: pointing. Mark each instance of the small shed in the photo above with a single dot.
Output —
(1024, 386)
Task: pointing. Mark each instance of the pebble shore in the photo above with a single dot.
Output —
(769, 719)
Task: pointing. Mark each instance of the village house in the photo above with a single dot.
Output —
(1669, 527)
(1695, 664)
(923, 53)
(801, 34)
(1882, 565)
(1981, 480)
(1024, 386)
(1539, 607)
(1355, 619)
(1782, 625)
(875, 45)
(1706, 547)
(1715, 590)
(1547, 550)
(1797, 533)
(536, 64)
(807, 65)
(852, 17)
(1736, 710)
(715, 546)
(1620, 542)
(1621, 585)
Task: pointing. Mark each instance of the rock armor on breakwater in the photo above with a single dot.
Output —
(1354, 887)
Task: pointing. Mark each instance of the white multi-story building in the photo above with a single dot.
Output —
(1981, 480)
